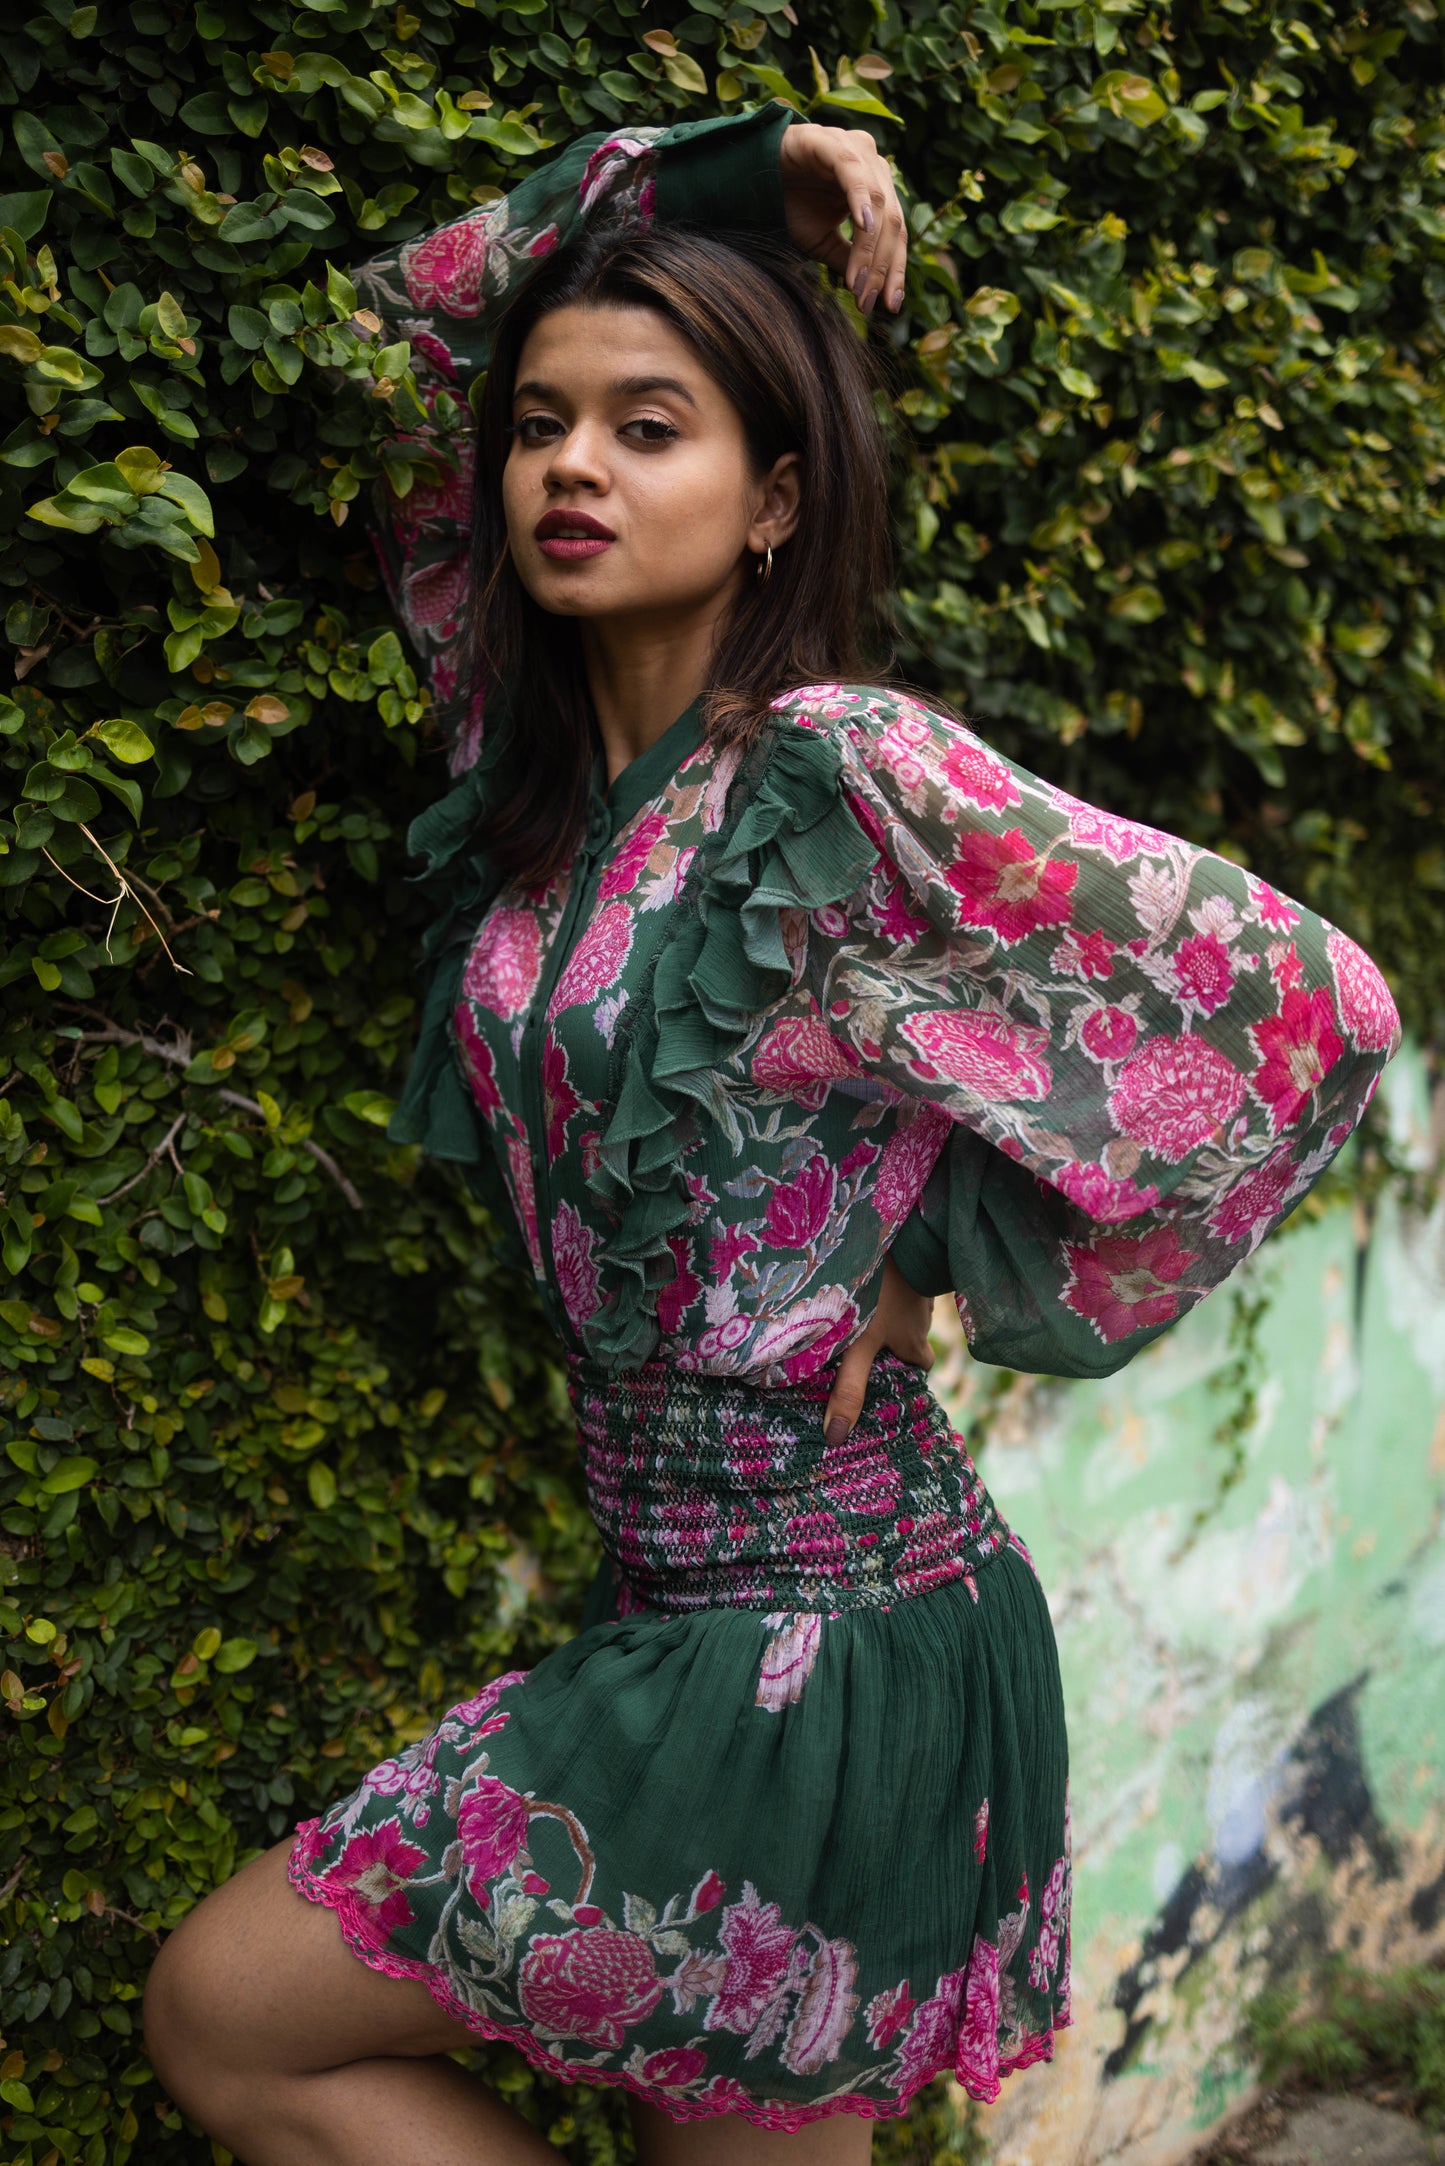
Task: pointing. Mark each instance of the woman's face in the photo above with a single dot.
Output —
(628, 489)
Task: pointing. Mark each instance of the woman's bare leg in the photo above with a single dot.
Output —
(287, 2048)
(843, 2139)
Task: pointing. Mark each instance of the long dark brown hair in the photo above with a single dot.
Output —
(802, 380)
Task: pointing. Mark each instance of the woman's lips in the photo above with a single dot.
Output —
(570, 549)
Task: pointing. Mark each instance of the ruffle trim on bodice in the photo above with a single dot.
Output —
(787, 840)
(437, 1109)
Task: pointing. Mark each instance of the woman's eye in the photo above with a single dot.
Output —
(533, 429)
(654, 430)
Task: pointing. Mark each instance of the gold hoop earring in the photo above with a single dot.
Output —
(765, 567)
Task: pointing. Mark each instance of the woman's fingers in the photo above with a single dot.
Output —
(898, 1325)
(830, 174)
(850, 1386)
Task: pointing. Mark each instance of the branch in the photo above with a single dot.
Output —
(15, 1879)
(151, 1163)
(179, 1055)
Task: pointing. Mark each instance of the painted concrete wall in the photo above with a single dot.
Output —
(1255, 1677)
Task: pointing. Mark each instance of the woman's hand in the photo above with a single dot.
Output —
(900, 1326)
(830, 174)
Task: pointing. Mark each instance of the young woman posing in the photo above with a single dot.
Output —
(767, 1001)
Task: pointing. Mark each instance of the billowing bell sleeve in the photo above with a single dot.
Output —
(440, 292)
(1145, 1054)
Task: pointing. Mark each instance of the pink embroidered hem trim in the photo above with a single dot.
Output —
(782, 2119)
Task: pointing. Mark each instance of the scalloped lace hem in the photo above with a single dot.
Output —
(782, 2119)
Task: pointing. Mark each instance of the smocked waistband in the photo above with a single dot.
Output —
(712, 1492)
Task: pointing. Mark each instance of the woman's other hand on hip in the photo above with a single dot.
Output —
(899, 1326)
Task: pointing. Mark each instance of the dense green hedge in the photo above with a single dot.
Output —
(285, 1463)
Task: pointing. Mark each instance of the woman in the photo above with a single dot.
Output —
(767, 1000)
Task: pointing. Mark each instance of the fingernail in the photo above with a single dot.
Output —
(867, 217)
(859, 282)
(836, 1432)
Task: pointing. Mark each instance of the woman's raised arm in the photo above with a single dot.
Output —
(440, 290)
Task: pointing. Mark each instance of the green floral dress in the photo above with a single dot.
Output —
(784, 1831)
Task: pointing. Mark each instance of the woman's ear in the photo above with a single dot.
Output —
(777, 504)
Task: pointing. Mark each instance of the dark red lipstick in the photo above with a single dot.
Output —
(570, 536)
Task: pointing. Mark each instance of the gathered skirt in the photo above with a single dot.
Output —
(783, 1832)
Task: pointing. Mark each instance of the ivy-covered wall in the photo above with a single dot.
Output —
(285, 1461)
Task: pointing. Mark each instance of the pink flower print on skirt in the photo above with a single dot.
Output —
(788, 1658)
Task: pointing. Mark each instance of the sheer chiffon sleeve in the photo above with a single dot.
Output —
(1145, 1054)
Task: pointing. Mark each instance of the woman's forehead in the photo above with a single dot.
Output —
(610, 344)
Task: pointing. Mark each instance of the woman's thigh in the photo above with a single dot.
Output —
(257, 1976)
(842, 2139)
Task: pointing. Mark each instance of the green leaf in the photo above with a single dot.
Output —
(121, 1339)
(68, 1474)
(234, 1655)
(1130, 97)
(855, 100)
(127, 740)
(322, 1484)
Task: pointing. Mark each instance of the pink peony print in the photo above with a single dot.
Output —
(590, 1984)
(682, 1289)
(759, 1951)
(824, 2014)
(932, 2037)
(1123, 1282)
(805, 1338)
(728, 1247)
(1203, 971)
(374, 1869)
(909, 1156)
(976, 2060)
(524, 1194)
(443, 360)
(987, 1054)
(673, 2068)
(595, 964)
(1247, 1210)
(1084, 955)
(1297, 1048)
(622, 875)
(798, 1209)
(505, 962)
(576, 1271)
(1275, 911)
(607, 164)
(891, 910)
(559, 1100)
(788, 1658)
(477, 1060)
(978, 774)
(1109, 1034)
(887, 2013)
(800, 1057)
(1366, 1008)
(1008, 885)
(1285, 966)
(980, 1833)
(1120, 839)
(434, 595)
(445, 269)
(482, 1703)
(1174, 1094)
(1094, 1190)
(491, 1827)
(708, 1893)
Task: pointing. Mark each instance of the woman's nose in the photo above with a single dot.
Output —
(578, 458)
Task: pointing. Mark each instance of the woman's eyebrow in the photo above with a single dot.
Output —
(626, 387)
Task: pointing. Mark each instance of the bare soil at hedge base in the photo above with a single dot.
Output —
(1297, 2127)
